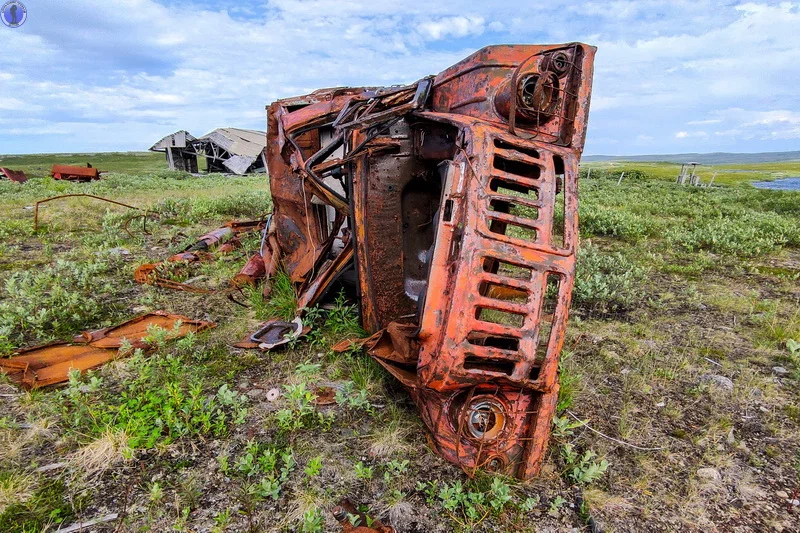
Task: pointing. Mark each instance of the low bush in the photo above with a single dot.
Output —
(56, 301)
(250, 204)
(631, 174)
(732, 221)
(165, 399)
(604, 221)
(750, 234)
(605, 282)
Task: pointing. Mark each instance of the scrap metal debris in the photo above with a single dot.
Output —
(274, 333)
(74, 173)
(449, 208)
(223, 240)
(17, 176)
(51, 364)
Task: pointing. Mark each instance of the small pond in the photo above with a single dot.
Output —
(783, 184)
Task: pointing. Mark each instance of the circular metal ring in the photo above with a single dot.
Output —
(486, 419)
(538, 95)
(559, 62)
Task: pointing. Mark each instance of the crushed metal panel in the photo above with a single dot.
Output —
(176, 149)
(237, 141)
(50, 364)
(459, 196)
(17, 176)
(135, 331)
(222, 240)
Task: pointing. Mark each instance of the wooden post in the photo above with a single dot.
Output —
(589, 174)
(620, 178)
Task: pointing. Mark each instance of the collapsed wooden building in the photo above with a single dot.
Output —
(234, 150)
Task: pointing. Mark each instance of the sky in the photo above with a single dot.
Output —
(114, 75)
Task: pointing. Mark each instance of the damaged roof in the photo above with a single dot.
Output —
(179, 139)
(235, 141)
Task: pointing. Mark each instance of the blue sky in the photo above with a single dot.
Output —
(670, 76)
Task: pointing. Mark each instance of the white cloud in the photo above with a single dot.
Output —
(690, 134)
(704, 122)
(781, 124)
(452, 27)
(130, 71)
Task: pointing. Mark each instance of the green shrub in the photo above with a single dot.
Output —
(282, 302)
(251, 204)
(749, 234)
(611, 221)
(54, 302)
(582, 469)
(48, 505)
(631, 174)
(165, 399)
(605, 282)
(732, 221)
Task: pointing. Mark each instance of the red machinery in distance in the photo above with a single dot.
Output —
(74, 173)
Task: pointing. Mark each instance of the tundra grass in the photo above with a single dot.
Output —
(726, 175)
(680, 375)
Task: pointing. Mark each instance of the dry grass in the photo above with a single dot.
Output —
(390, 441)
(14, 441)
(91, 461)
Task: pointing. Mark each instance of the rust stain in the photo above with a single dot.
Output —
(253, 271)
(51, 364)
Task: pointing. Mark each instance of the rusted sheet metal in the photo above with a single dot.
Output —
(449, 206)
(274, 333)
(17, 176)
(135, 331)
(251, 273)
(223, 240)
(50, 364)
(73, 173)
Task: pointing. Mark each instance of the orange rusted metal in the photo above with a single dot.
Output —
(73, 173)
(223, 240)
(50, 364)
(17, 176)
(449, 207)
(251, 272)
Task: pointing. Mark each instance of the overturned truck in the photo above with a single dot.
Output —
(449, 208)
